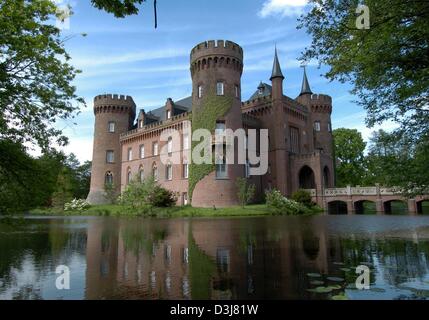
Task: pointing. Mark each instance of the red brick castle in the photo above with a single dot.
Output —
(299, 145)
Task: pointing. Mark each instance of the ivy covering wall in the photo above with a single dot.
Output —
(211, 108)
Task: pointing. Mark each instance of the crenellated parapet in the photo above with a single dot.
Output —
(114, 103)
(216, 54)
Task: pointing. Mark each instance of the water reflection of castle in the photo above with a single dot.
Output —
(222, 259)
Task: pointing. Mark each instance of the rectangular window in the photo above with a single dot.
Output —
(130, 154)
(142, 151)
(237, 91)
(110, 156)
(185, 170)
(219, 89)
(220, 127)
(200, 91)
(169, 172)
(111, 127)
(168, 114)
(170, 145)
(317, 126)
(221, 170)
(185, 142)
(155, 149)
(141, 123)
(294, 139)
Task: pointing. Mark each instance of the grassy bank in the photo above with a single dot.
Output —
(175, 212)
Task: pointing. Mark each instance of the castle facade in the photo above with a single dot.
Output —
(129, 145)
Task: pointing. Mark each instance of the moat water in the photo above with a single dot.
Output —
(239, 258)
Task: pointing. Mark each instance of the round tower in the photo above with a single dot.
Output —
(216, 69)
(114, 115)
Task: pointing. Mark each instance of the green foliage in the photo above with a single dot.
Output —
(110, 193)
(144, 195)
(25, 182)
(162, 198)
(397, 160)
(349, 150)
(282, 205)
(64, 190)
(35, 74)
(118, 7)
(388, 63)
(245, 191)
(214, 107)
(303, 197)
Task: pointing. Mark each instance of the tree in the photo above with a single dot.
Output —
(35, 74)
(388, 64)
(245, 191)
(349, 150)
(396, 160)
(123, 8)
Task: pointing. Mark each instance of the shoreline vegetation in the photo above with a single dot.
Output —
(253, 210)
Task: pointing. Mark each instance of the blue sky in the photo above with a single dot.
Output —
(128, 56)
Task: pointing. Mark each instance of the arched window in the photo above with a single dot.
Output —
(108, 179)
(306, 178)
(155, 172)
(141, 174)
(129, 176)
(169, 172)
(170, 145)
(326, 177)
(317, 126)
(220, 89)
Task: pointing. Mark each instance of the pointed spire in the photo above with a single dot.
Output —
(277, 71)
(305, 89)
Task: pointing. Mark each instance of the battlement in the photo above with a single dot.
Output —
(320, 99)
(114, 103)
(216, 48)
(104, 99)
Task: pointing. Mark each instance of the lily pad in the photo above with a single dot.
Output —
(316, 283)
(335, 287)
(339, 263)
(335, 279)
(345, 269)
(377, 290)
(320, 290)
(314, 275)
(340, 297)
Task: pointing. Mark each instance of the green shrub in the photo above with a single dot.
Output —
(245, 191)
(303, 197)
(162, 198)
(282, 205)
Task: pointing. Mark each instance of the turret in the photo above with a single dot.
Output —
(320, 107)
(216, 68)
(114, 115)
(277, 78)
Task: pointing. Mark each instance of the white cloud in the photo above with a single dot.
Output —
(282, 8)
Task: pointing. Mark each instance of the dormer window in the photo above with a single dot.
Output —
(141, 123)
(168, 114)
(261, 90)
(220, 89)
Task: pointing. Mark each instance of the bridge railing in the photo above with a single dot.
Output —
(356, 191)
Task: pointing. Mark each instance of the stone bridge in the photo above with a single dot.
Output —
(351, 200)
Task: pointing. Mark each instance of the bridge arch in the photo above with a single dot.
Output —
(423, 206)
(365, 207)
(337, 207)
(395, 206)
(306, 178)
